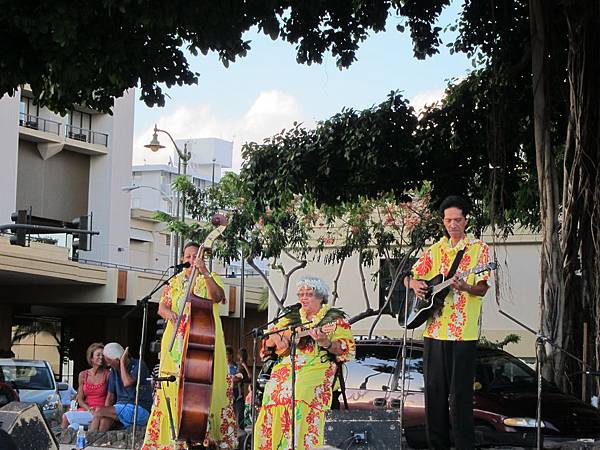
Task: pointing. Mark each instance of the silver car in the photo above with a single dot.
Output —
(34, 381)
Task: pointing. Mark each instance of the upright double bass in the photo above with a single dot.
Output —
(196, 370)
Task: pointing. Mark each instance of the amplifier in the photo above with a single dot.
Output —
(363, 429)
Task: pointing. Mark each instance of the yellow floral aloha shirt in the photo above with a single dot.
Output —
(458, 320)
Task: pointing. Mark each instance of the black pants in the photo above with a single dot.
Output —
(449, 373)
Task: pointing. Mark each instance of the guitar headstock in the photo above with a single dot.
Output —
(492, 265)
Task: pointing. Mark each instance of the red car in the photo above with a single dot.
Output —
(504, 401)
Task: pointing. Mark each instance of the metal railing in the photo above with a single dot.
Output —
(71, 132)
(93, 262)
(86, 135)
(39, 123)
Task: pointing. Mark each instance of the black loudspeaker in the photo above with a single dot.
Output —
(363, 429)
(26, 427)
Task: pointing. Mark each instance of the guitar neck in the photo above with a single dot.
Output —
(444, 284)
(306, 332)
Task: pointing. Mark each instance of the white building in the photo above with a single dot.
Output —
(150, 245)
(63, 167)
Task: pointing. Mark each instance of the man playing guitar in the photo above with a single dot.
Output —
(451, 334)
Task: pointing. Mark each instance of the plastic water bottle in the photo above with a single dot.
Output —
(73, 405)
(80, 442)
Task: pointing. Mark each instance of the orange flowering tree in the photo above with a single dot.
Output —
(384, 228)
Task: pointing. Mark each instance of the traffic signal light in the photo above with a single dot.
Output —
(82, 241)
(160, 329)
(19, 237)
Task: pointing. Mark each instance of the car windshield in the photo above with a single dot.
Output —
(499, 371)
(28, 377)
(373, 367)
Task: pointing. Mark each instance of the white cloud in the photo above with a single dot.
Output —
(271, 112)
(423, 99)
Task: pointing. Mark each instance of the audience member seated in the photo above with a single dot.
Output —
(67, 395)
(92, 391)
(120, 401)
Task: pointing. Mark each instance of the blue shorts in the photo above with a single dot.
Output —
(125, 414)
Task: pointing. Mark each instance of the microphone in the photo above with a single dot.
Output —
(180, 267)
(292, 308)
(169, 379)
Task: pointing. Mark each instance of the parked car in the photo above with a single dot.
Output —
(504, 399)
(34, 382)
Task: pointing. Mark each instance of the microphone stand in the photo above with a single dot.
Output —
(259, 333)
(293, 402)
(143, 303)
(403, 379)
(539, 356)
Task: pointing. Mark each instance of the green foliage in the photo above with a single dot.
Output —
(30, 329)
(508, 339)
(353, 154)
(90, 51)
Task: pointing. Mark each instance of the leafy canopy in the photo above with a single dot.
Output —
(90, 51)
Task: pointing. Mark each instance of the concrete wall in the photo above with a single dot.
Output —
(9, 132)
(108, 203)
(57, 187)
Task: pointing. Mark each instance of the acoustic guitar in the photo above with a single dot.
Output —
(421, 309)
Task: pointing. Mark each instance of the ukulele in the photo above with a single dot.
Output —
(302, 332)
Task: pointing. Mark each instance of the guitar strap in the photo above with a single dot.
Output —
(455, 263)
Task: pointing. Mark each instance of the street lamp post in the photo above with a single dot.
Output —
(184, 156)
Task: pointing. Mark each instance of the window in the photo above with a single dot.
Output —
(27, 107)
(373, 367)
(28, 113)
(499, 371)
(413, 376)
(81, 120)
(28, 377)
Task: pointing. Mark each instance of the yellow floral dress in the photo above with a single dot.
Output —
(315, 372)
(222, 426)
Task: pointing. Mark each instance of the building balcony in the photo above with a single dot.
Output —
(40, 124)
(50, 132)
(85, 135)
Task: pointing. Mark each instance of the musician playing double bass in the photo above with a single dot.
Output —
(315, 363)
(451, 334)
(222, 426)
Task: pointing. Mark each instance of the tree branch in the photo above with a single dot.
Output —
(363, 282)
(286, 282)
(252, 264)
(334, 294)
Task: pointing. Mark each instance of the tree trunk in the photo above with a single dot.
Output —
(552, 294)
(581, 238)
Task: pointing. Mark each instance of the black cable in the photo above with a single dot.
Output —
(346, 443)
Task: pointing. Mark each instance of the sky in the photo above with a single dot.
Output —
(267, 91)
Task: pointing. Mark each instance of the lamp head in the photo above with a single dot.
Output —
(154, 145)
